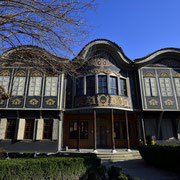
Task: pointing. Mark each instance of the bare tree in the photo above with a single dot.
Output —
(56, 25)
(40, 59)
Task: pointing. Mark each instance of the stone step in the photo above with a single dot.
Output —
(119, 156)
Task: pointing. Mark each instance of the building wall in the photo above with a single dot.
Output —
(42, 137)
(106, 118)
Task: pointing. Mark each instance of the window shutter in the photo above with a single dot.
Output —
(55, 129)
(21, 126)
(3, 124)
(40, 126)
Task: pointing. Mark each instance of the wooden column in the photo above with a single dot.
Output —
(159, 124)
(78, 132)
(127, 130)
(94, 132)
(112, 130)
(143, 129)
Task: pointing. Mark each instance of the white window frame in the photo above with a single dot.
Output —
(51, 90)
(35, 86)
(177, 86)
(165, 90)
(18, 86)
(150, 86)
(4, 82)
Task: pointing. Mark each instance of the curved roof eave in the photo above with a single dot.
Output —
(151, 57)
(31, 47)
(104, 42)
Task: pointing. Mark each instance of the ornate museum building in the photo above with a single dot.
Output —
(112, 103)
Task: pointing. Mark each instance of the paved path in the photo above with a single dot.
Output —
(139, 168)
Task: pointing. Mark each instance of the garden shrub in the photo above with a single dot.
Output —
(3, 154)
(116, 173)
(43, 168)
(97, 173)
(165, 156)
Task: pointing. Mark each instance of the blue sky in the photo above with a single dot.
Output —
(140, 27)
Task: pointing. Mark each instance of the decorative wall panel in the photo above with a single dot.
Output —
(103, 100)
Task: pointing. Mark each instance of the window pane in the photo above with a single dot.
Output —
(162, 85)
(29, 128)
(90, 85)
(166, 88)
(153, 86)
(147, 86)
(4, 81)
(113, 85)
(83, 129)
(83, 125)
(15, 86)
(10, 129)
(150, 86)
(79, 86)
(18, 86)
(102, 84)
(177, 84)
(51, 86)
(73, 130)
(47, 132)
(123, 88)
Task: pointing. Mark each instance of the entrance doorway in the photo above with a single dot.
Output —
(102, 133)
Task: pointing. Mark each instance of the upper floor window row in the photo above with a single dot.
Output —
(34, 83)
(165, 83)
(105, 84)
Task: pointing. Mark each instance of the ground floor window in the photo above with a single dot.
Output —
(120, 130)
(47, 131)
(29, 129)
(73, 134)
(10, 129)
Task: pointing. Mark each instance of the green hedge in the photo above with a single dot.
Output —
(165, 156)
(46, 167)
(3, 154)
